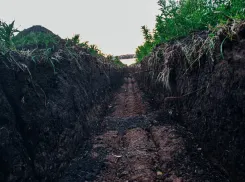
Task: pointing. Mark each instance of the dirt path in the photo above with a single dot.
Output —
(128, 101)
(132, 149)
(132, 153)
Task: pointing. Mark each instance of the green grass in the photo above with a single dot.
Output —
(6, 34)
(36, 40)
(180, 19)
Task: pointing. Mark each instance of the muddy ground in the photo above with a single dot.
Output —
(136, 146)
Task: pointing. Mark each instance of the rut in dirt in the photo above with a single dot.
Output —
(129, 100)
(135, 147)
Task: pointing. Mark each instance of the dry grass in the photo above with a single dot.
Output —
(187, 53)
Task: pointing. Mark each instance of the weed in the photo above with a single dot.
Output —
(6, 33)
(178, 19)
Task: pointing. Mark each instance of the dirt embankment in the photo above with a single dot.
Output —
(48, 109)
(199, 82)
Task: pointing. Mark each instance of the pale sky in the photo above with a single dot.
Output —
(113, 25)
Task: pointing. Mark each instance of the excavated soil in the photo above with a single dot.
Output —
(135, 147)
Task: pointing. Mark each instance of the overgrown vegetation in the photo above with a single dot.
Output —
(93, 49)
(6, 34)
(180, 18)
(36, 39)
(45, 46)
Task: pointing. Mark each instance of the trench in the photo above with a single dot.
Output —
(135, 145)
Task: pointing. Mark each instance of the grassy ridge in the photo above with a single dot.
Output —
(40, 45)
(178, 19)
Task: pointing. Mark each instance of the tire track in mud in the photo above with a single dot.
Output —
(136, 157)
(132, 149)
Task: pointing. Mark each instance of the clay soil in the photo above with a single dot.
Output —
(135, 147)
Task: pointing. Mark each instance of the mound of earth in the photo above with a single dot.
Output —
(35, 29)
(37, 37)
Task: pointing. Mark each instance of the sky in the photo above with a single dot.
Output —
(113, 25)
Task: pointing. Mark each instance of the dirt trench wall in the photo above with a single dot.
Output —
(45, 115)
(206, 93)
